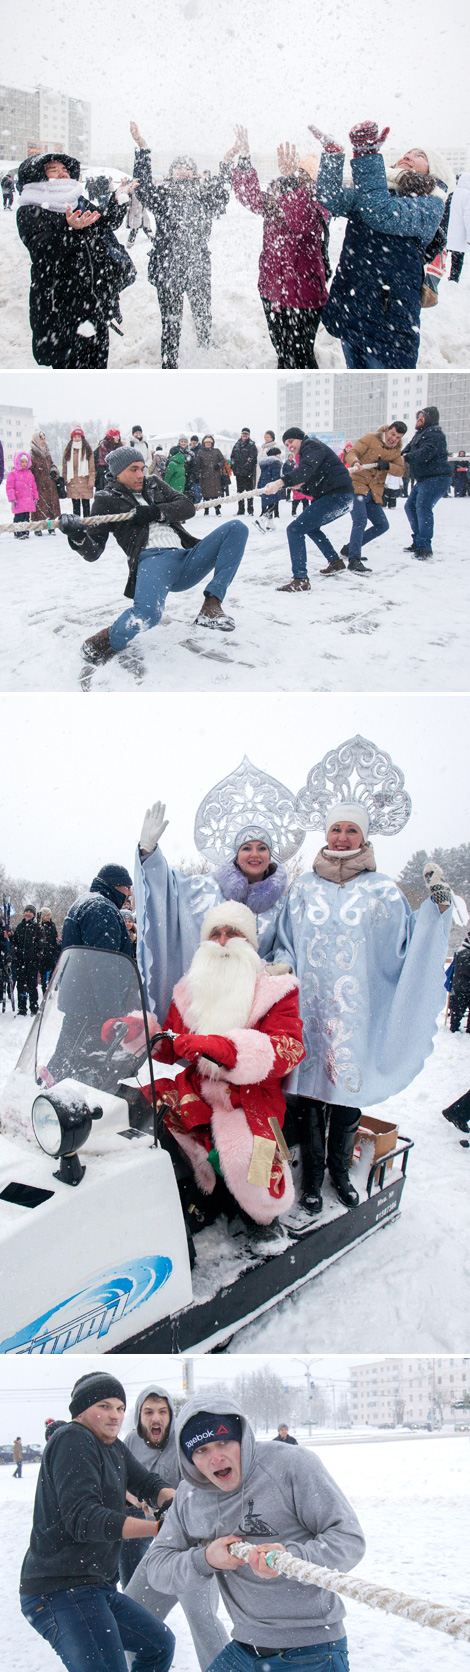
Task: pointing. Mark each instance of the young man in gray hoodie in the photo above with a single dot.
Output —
(234, 1487)
(152, 1441)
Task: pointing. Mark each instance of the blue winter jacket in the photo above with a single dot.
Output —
(96, 920)
(375, 297)
(426, 454)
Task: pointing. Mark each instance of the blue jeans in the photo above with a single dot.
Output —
(170, 570)
(91, 1627)
(419, 508)
(310, 522)
(317, 1657)
(360, 360)
(365, 510)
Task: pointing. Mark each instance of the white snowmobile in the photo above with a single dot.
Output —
(99, 1255)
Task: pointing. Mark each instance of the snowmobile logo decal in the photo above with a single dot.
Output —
(93, 1311)
(254, 1523)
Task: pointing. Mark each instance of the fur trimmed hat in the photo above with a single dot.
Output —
(234, 914)
(349, 810)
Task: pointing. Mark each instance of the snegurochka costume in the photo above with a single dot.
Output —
(246, 806)
(371, 970)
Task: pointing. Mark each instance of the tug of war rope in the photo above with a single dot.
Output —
(424, 1613)
(127, 516)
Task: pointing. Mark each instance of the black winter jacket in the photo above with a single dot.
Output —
(96, 920)
(27, 943)
(176, 508)
(75, 276)
(184, 211)
(80, 1510)
(426, 454)
(243, 458)
(49, 945)
(319, 470)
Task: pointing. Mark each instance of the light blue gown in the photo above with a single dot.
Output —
(371, 975)
(170, 908)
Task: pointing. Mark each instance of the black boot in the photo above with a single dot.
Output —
(312, 1151)
(343, 1126)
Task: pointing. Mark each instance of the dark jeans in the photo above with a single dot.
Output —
(311, 522)
(358, 359)
(91, 1627)
(173, 570)
(18, 1471)
(21, 517)
(85, 504)
(459, 1002)
(419, 509)
(292, 332)
(171, 293)
(316, 1657)
(242, 489)
(364, 510)
(461, 484)
(27, 989)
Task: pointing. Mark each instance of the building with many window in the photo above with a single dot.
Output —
(390, 1391)
(16, 429)
(43, 119)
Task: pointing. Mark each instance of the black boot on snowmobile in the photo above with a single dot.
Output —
(312, 1153)
(341, 1134)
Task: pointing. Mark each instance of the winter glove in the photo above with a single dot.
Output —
(439, 890)
(382, 464)
(152, 829)
(145, 514)
(212, 1045)
(326, 140)
(366, 140)
(69, 524)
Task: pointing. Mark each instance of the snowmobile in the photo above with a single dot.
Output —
(98, 1255)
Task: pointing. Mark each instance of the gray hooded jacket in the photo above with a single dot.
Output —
(163, 1460)
(285, 1494)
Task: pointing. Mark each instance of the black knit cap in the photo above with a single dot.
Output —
(90, 1389)
(116, 876)
(293, 434)
(209, 1425)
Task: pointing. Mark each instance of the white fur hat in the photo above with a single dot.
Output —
(231, 912)
(349, 810)
(440, 168)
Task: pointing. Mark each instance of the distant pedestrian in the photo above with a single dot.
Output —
(283, 1434)
(17, 1458)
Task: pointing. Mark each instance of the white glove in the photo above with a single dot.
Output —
(152, 829)
(438, 889)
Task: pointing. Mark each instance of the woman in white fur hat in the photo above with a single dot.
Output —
(371, 971)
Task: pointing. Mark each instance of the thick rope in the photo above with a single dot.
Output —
(362, 1590)
(127, 516)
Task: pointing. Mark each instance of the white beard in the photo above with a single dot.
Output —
(221, 983)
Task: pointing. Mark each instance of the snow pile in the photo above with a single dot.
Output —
(402, 627)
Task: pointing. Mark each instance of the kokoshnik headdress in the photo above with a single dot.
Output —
(248, 806)
(357, 773)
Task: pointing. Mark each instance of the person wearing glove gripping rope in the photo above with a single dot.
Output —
(162, 557)
(276, 1497)
(392, 216)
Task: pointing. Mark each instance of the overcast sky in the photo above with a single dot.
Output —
(160, 401)
(79, 771)
(187, 71)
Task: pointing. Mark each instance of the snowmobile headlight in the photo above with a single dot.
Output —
(61, 1128)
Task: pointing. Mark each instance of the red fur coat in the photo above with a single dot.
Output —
(231, 1109)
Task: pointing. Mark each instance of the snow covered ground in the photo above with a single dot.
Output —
(240, 336)
(413, 616)
(410, 1498)
(404, 1289)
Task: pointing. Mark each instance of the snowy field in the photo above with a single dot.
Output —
(404, 1289)
(240, 336)
(413, 616)
(410, 1498)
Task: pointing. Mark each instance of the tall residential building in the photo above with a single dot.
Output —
(409, 1388)
(43, 119)
(351, 403)
(450, 392)
(16, 429)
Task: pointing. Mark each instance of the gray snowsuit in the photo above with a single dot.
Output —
(285, 1494)
(199, 1603)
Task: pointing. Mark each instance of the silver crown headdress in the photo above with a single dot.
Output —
(356, 771)
(246, 806)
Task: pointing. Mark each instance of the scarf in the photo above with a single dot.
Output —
(342, 867)
(259, 896)
(77, 466)
(52, 194)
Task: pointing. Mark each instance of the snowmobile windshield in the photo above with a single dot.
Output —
(92, 1023)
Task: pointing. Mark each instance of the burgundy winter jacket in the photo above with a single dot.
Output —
(291, 266)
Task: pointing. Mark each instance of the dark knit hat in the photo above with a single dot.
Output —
(430, 413)
(293, 433)
(29, 908)
(121, 458)
(116, 876)
(208, 1425)
(90, 1389)
(271, 450)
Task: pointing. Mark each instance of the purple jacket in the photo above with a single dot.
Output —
(21, 486)
(291, 266)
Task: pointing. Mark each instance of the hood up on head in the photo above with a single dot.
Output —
(221, 1405)
(430, 414)
(159, 1393)
(34, 168)
(17, 457)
